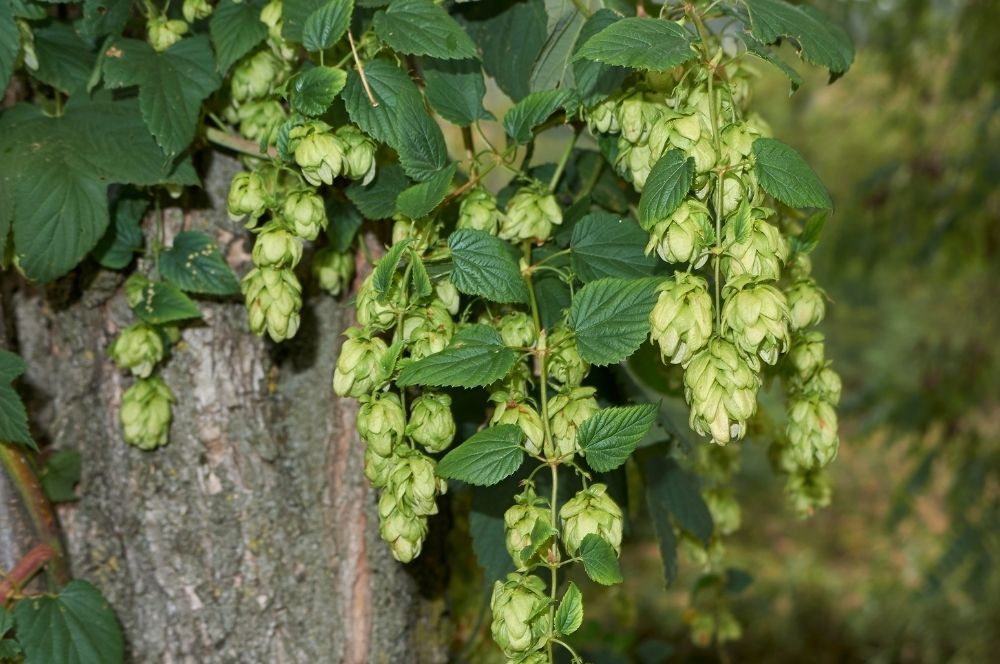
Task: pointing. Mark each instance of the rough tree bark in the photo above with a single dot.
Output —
(252, 536)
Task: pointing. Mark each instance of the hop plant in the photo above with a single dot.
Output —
(517, 330)
(565, 363)
(512, 409)
(567, 411)
(755, 318)
(255, 77)
(273, 298)
(305, 213)
(760, 254)
(163, 33)
(194, 10)
(806, 304)
(359, 154)
(479, 211)
(807, 355)
(317, 151)
(520, 521)
(358, 370)
(812, 431)
(531, 214)
(276, 248)
(138, 348)
(520, 623)
(428, 330)
(333, 270)
(431, 422)
(380, 421)
(684, 236)
(247, 197)
(591, 512)
(720, 385)
(681, 320)
(145, 413)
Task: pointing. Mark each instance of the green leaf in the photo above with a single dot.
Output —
(640, 43)
(552, 67)
(294, 14)
(420, 199)
(194, 264)
(326, 25)
(532, 111)
(807, 240)
(783, 173)
(668, 183)
(611, 318)
(312, 91)
(569, 615)
(74, 627)
(59, 474)
(455, 89)
(386, 268)
(236, 29)
(509, 61)
(754, 47)
(664, 529)
(610, 435)
(821, 41)
(172, 84)
(377, 199)
(103, 17)
(13, 417)
(475, 358)
(10, 43)
(64, 60)
(421, 281)
(484, 266)
(599, 561)
(419, 27)
(676, 491)
(486, 527)
(486, 458)
(345, 220)
(594, 80)
(164, 303)
(123, 238)
(541, 534)
(607, 245)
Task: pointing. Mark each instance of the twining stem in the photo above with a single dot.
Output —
(237, 144)
(564, 159)
(361, 71)
(27, 567)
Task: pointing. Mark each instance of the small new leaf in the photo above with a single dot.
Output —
(484, 266)
(666, 186)
(475, 358)
(640, 43)
(611, 318)
(420, 199)
(313, 90)
(807, 240)
(569, 615)
(783, 173)
(610, 435)
(164, 303)
(486, 458)
(386, 268)
(419, 278)
(532, 111)
(599, 561)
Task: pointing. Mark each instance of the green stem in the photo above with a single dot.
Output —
(563, 160)
(237, 144)
(396, 334)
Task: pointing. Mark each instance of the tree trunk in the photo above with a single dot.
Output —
(252, 536)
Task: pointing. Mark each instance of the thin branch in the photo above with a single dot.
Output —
(361, 71)
(237, 143)
(27, 567)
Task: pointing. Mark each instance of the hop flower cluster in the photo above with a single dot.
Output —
(145, 411)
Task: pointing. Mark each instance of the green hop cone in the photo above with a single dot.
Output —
(634, 162)
(271, 16)
(359, 154)
(799, 266)
(317, 151)
(401, 529)
(808, 490)
(812, 432)
(761, 254)
(681, 320)
(428, 330)
(513, 409)
(305, 213)
(256, 76)
(414, 482)
(591, 512)
(517, 330)
(531, 214)
(568, 409)
(247, 197)
(675, 130)
(806, 304)
(358, 371)
(725, 510)
(273, 300)
(377, 467)
(449, 296)
(479, 211)
(806, 356)
(137, 348)
(715, 625)
(260, 120)
(636, 118)
(145, 413)
(565, 363)
(720, 385)
(333, 270)
(685, 236)
(276, 247)
(519, 522)
(194, 10)
(372, 312)
(603, 118)
(755, 318)
(431, 422)
(824, 384)
(380, 421)
(520, 623)
(162, 33)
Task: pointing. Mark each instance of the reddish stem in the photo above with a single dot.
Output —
(27, 567)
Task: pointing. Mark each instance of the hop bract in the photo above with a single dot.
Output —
(806, 304)
(359, 154)
(333, 270)
(520, 625)
(431, 422)
(164, 33)
(194, 10)
(807, 355)
(428, 330)
(761, 254)
(812, 432)
(684, 236)
(137, 348)
(755, 318)
(519, 522)
(273, 299)
(720, 385)
(565, 363)
(260, 119)
(479, 211)
(358, 369)
(372, 311)
(380, 421)
(317, 151)
(305, 213)
(277, 248)
(256, 76)
(517, 330)
(414, 482)
(145, 413)
(247, 196)
(567, 411)
(531, 214)
(681, 320)
(591, 512)
(401, 529)
(603, 118)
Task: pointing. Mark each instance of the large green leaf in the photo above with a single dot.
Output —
(552, 68)
(13, 417)
(476, 357)
(162, 302)
(236, 29)
(611, 318)
(640, 43)
(386, 269)
(821, 41)
(420, 27)
(104, 17)
(10, 43)
(610, 435)
(326, 25)
(313, 90)
(676, 491)
(666, 186)
(294, 14)
(377, 199)
(569, 615)
(783, 173)
(64, 59)
(124, 236)
(484, 266)
(455, 89)
(607, 245)
(486, 458)
(599, 561)
(345, 220)
(172, 84)
(594, 80)
(77, 626)
(533, 110)
(421, 199)
(59, 475)
(194, 263)
(509, 60)
(754, 47)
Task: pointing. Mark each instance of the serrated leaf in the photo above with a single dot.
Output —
(475, 358)
(783, 173)
(611, 318)
(74, 627)
(552, 69)
(607, 245)
(664, 529)
(486, 528)
(164, 303)
(666, 186)
(294, 14)
(822, 42)
(419, 27)
(675, 491)
(59, 475)
(484, 266)
(599, 561)
(420, 199)
(235, 29)
(807, 240)
(10, 43)
(326, 25)
(386, 268)
(64, 59)
(311, 92)
(377, 199)
(345, 220)
(103, 17)
(123, 238)
(610, 435)
(486, 458)
(569, 615)
(194, 263)
(640, 43)
(533, 110)
(509, 61)
(594, 81)
(541, 534)
(754, 47)
(13, 417)
(172, 84)
(455, 90)
(421, 281)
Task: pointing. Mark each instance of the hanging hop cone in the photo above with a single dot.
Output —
(317, 151)
(824, 385)
(137, 348)
(145, 413)
(401, 529)
(685, 236)
(755, 318)
(431, 422)
(194, 10)
(414, 483)
(570, 408)
(260, 120)
(806, 303)
(247, 197)
(333, 270)
(449, 296)
(725, 510)
(806, 356)
(591, 512)
(519, 522)
(164, 33)
(520, 623)
(304, 212)
(517, 330)
(720, 385)
(636, 118)
(603, 118)
(808, 490)
(812, 432)
(273, 299)
(428, 330)
(565, 363)
(681, 320)
(761, 254)
(271, 16)
(531, 214)
(276, 247)
(380, 421)
(372, 312)
(359, 366)
(378, 467)
(479, 211)
(256, 76)
(512, 409)
(359, 154)
(634, 162)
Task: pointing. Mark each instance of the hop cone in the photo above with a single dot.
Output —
(602, 118)
(359, 154)
(273, 299)
(317, 151)
(567, 411)
(401, 529)
(305, 213)
(520, 623)
(755, 318)
(517, 330)
(807, 356)
(372, 312)
(684, 236)
(332, 270)
(247, 196)
(138, 348)
(806, 304)
(761, 254)
(591, 512)
(380, 421)
(145, 413)
(255, 77)
(428, 330)
(511, 409)
(275, 247)
(531, 214)
(812, 432)
(260, 119)
(479, 211)
(358, 369)
(720, 385)
(681, 321)
(565, 363)
(431, 422)
(414, 482)
(519, 522)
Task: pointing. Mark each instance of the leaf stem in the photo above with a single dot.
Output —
(361, 71)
